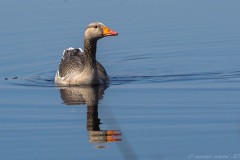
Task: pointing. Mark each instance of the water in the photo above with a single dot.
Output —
(174, 91)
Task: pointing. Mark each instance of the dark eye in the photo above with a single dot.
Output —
(95, 26)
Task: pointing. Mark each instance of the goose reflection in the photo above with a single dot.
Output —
(90, 95)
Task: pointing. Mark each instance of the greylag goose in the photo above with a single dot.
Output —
(79, 67)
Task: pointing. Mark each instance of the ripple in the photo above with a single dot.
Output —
(39, 80)
(47, 79)
(176, 77)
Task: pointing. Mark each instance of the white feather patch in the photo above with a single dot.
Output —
(69, 49)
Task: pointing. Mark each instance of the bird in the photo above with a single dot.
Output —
(80, 67)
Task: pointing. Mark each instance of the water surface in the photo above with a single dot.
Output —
(174, 91)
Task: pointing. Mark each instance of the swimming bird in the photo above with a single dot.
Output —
(79, 67)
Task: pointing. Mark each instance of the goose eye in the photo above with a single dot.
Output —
(95, 27)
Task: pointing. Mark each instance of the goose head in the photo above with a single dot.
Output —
(97, 30)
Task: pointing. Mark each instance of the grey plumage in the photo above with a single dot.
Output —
(82, 68)
(73, 62)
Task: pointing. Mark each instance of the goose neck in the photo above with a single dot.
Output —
(90, 48)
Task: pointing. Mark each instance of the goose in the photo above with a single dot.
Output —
(79, 67)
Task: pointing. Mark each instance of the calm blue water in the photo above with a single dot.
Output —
(175, 81)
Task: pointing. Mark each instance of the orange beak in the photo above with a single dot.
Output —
(108, 32)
